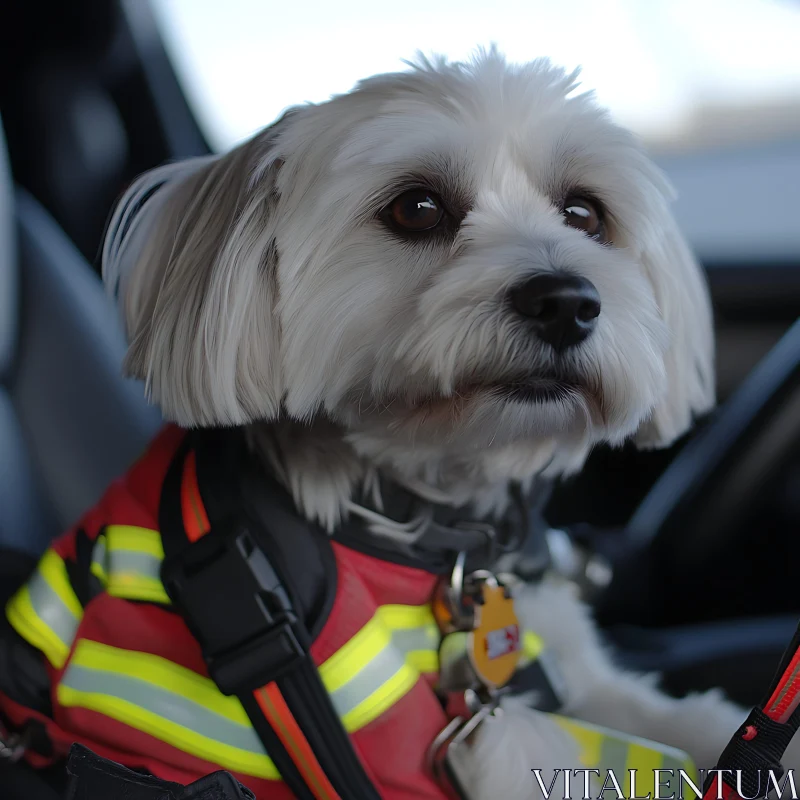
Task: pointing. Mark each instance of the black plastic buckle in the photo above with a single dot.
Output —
(236, 606)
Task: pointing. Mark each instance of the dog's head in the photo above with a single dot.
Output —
(463, 257)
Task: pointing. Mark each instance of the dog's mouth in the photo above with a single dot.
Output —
(530, 390)
(538, 394)
(537, 390)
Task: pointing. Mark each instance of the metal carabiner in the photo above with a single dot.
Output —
(447, 754)
(457, 580)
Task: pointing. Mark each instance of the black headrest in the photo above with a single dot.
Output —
(9, 297)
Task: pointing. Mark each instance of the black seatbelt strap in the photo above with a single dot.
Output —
(239, 598)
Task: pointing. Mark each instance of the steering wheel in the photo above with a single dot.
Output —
(685, 522)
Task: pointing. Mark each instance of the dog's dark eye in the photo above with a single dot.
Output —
(586, 216)
(417, 210)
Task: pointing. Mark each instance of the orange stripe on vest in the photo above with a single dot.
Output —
(195, 519)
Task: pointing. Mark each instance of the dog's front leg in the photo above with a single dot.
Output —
(601, 693)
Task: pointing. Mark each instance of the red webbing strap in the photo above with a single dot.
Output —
(195, 519)
(786, 696)
(269, 697)
(274, 708)
(757, 747)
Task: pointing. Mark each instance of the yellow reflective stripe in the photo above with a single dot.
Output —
(420, 621)
(142, 690)
(54, 571)
(25, 621)
(381, 699)
(368, 678)
(135, 539)
(374, 660)
(167, 701)
(132, 586)
(398, 617)
(45, 611)
(165, 730)
(589, 740)
(160, 672)
(423, 660)
(365, 645)
(127, 560)
(368, 675)
(604, 749)
(644, 761)
(354, 654)
(415, 634)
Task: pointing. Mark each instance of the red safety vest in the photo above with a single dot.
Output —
(129, 681)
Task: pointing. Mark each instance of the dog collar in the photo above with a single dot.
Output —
(451, 530)
(520, 533)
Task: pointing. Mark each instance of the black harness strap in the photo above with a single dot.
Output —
(253, 613)
(256, 585)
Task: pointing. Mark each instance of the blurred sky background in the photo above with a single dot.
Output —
(680, 72)
(712, 86)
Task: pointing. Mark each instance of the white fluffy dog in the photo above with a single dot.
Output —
(458, 276)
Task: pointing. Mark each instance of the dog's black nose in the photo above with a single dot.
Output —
(562, 308)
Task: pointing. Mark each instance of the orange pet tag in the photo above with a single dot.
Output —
(495, 645)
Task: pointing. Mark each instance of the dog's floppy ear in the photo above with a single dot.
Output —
(190, 253)
(683, 299)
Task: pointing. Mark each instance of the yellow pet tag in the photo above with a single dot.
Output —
(494, 646)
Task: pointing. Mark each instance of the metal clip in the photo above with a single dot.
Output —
(450, 749)
(458, 614)
(463, 592)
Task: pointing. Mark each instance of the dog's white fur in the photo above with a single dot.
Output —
(264, 290)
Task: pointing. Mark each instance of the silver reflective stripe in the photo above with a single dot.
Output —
(51, 610)
(127, 560)
(142, 564)
(408, 640)
(165, 704)
(384, 665)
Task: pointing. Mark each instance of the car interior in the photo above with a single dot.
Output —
(701, 539)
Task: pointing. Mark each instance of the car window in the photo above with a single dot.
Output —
(712, 86)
